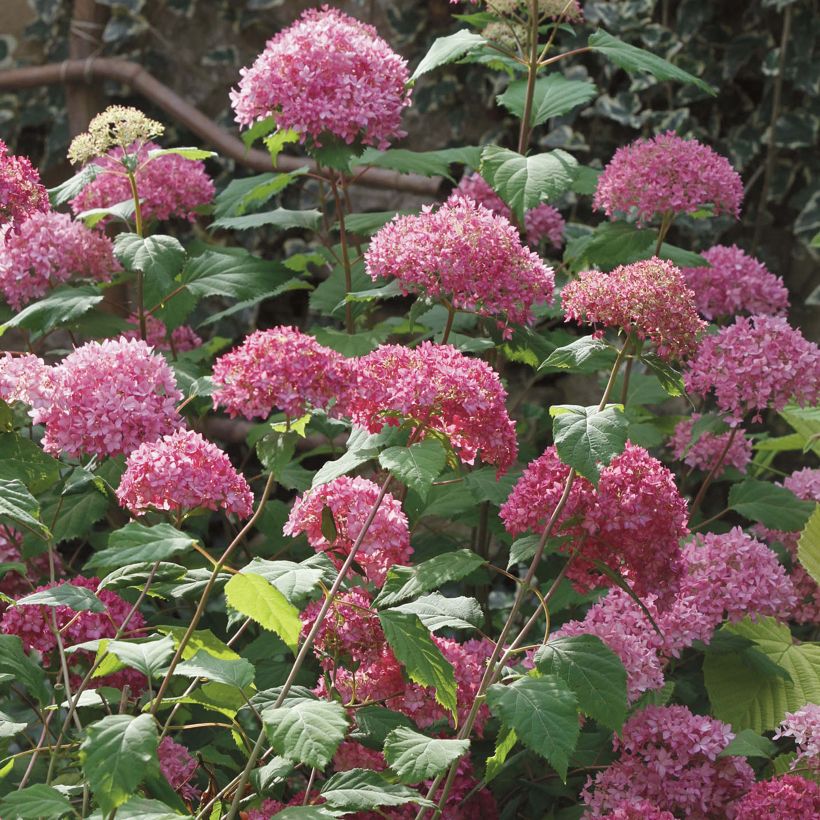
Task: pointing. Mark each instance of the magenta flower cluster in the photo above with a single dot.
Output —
(178, 768)
(48, 249)
(21, 192)
(648, 298)
(465, 253)
(667, 175)
(179, 340)
(782, 798)
(327, 74)
(705, 453)
(13, 583)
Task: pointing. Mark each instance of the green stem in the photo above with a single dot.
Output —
(138, 227)
(532, 75)
(712, 473)
(451, 315)
(666, 223)
(340, 215)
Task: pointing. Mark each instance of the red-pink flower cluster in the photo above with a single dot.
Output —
(350, 501)
(108, 398)
(466, 253)
(632, 522)
(804, 726)
(754, 364)
(636, 809)
(735, 283)
(704, 453)
(440, 389)
(279, 368)
(168, 185)
(25, 378)
(327, 73)
(13, 583)
(179, 340)
(788, 797)
(21, 192)
(182, 472)
(49, 249)
(667, 174)
(649, 298)
(670, 757)
(178, 767)
(353, 755)
(34, 625)
(541, 222)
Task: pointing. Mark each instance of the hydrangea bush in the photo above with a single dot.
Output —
(363, 567)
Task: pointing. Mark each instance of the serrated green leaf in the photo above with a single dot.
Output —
(22, 459)
(554, 95)
(256, 598)
(374, 723)
(543, 712)
(76, 598)
(67, 190)
(143, 808)
(417, 466)
(35, 802)
(592, 671)
(806, 421)
(293, 580)
(446, 49)
(747, 743)
(422, 659)
(670, 379)
(122, 211)
(14, 661)
(364, 789)
(587, 438)
(808, 547)
(770, 504)
(136, 575)
(361, 447)
(610, 244)
(415, 757)
(504, 744)
(281, 218)
(585, 355)
(73, 515)
(61, 307)
(202, 639)
(424, 163)
(234, 276)
(437, 612)
(156, 255)
(19, 506)
(149, 656)
(306, 730)
(135, 543)
(238, 673)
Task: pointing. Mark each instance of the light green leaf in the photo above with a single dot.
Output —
(62, 306)
(554, 95)
(361, 447)
(136, 542)
(504, 744)
(121, 210)
(237, 673)
(587, 438)
(281, 218)
(417, 466)
(437, 612)
(543, 712)
(293, 580)
(202, 639)
(592, 671)
(805, 421)
(35, 802)
(808, 547)
(770, 504)
(749, 744)
(149, 656)
(306, 730)
(446, 49)
(256, 598)
(19, 506)
(76, 598)
(585, 355)
(363, 789)
(415, 757)
(116, 754)
(185, 153)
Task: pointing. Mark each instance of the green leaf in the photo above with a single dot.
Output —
(524, 182)
(35, 802)
(76, 598)
(368, 223)
(424, 163)
(238, 673)
(153, 255)
(235, 276)
(202, 639)
(408, 582)
(415, 757)
(19, 506)
(67, 190)
(587, 438)
(437, 612)
(116, 754)
(136, 575)
(422, 659)
(281, 218)
(740, 695)
(149, 656)
(504, 744)
(806, 421)
(361, 447)
(769, 504)
(636, 60)
(592, 671)
(808, 547)
(585, 355)
(306, 730)
(609, 245)
(554, 95)
(374, 723)
(306, 813)
(121, 210)
(61, 307)
(14, 661)
(586, 180)
(185, 153)
(749, 744)
(22, 459)
(74, 514)
(543, 712)
(241, 193)
(138, 543)
(485, 485)
(275, 451)
(256, 598)
(294, 581)
(363, 789)
(446, 49)
(670, 379)
(417, 466)
(143, 808)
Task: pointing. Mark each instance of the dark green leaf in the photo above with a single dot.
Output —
(22, 459)
(234, 276)
(35, 802)
(14, 661)
(237, 673)
(154, 255)
(374, 723)
(747, 743)
(19, 506)
(61, 307)
(137, 543)
(76, 598)
(364, 789)
(415, 757)
(554, 95)
(437, 612)
(609, 245)
(67, 190)
(587, 438)
(281, 218)
(417, 466)
(136, 575)
(670, 379)
(424, 163)
(585, 355)
(446, 49)
(770, 504)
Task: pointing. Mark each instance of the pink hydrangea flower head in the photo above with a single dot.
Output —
(637, 809)
(706, 451)
(804, 726)
(327, 73)
(168, 185)
(13, 583)
(25, 378)
(48, 249)
(805, 484)
(782, 798)
(21, 192)
(179, 340)
(667, 174)
(279, 368)
(350, 501)
(440, 388)
(108, 398)
(754, 364)
(649, 298)
(178, 768)
(465, 253)
(182, 472)
(375, 681)
(669, 757)
(34, 626)
(735, 283)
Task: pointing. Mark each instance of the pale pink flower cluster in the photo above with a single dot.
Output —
(463, 252)
(168, 185)
(754, 364)
(108, 398)
(182, 472)
(25, 378)
(14, 584)
(804, 726)
(669, 757)
(649, 298)
(35, 628)
(49, 249)
(735, 283)
(704, 453)
(440, 389)
(21, 192)
(179, 340)
(788, 797)
(667, 174)
(279, 368)
(350, 500)
(805, 484)
(178, 768)
(541, 222)
(636, 809)
(327, 73)
(632, 522)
